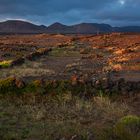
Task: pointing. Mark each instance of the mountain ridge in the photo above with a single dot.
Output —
(19, 26)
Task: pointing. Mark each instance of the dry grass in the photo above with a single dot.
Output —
(66, 117)
(27, 69)
(59, 117)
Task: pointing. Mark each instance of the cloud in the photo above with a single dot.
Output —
(116, 12)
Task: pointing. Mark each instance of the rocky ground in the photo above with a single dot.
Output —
(90, 56)
(70, 87)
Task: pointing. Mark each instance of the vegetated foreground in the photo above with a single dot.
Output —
(70, 87)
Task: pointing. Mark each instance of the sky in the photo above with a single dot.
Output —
(113, 12)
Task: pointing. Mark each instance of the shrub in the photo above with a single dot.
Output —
(6, 63)
(35, 87)
(57, 87)
(7, 85)
(63, 86)
(128, 128)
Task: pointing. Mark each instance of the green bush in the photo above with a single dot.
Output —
(7, 85)
(6, 64)
(34, 87)
(13, 85)
(128, 128)
(57, 87)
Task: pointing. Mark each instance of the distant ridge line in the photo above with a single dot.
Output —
(24, 27)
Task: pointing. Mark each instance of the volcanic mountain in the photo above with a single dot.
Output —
(17, 26)
(83, 28)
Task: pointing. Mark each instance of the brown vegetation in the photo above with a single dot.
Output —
(69, 87)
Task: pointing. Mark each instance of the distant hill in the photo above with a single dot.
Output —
(127, 29)
(83, 28)
(17, 26)
(92, 28)
(58, 28)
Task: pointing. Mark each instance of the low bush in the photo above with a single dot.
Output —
(76, 86)
(58, 87)
(5, 63)
(7, 85)
(34, 87)
(128, 128)
(38, 53)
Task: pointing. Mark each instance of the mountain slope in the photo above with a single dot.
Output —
(59, 28)
(83, 28)
(92, 28)
(17, 26)
(127, 29)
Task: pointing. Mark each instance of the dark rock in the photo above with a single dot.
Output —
(105, 83)
(18, 61)
(121, 84)
(38, 53)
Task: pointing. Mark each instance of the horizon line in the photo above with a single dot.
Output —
(32, 22)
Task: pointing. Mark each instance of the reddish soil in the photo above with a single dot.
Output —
(119, 53)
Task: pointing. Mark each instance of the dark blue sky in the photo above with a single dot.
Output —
(114, 12)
